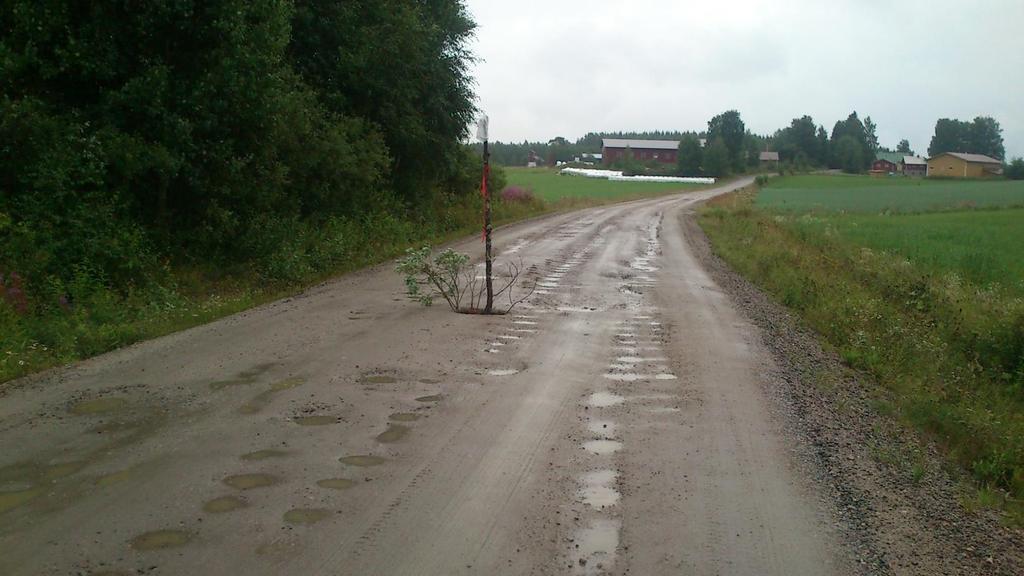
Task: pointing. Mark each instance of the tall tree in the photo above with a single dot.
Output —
(822, 150)
(904, 147)
(729, 127)
(402, 65)
(850, 154)
(871, 136)
(717, 161)
(950, 136)
(689, 159)
(853, 128)
(986, 137)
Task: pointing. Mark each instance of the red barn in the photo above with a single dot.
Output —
(664, 151)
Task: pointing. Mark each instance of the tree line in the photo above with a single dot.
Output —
(133, 135)
(851, 146)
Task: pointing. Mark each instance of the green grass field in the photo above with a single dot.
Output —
(550, 186)
(985, 247)
(866, 194)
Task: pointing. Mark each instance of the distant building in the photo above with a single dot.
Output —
(962, 165)
(886, 163)
(914, 166)
(663, 151)
(769, 159)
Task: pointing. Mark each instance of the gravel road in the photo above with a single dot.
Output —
(627, 418)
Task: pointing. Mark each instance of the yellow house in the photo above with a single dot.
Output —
(960, 165)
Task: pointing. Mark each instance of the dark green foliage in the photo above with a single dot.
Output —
(904, 147)
(848, 154)
(688, 161)
(802, 143)
(256, 138)
(1015, 169)
(982, 136)
(729, 128)
(717, 162)
(857, 153)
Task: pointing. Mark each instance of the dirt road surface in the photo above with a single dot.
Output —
(615, 422)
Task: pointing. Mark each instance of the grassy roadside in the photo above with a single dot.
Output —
(550, 186)
(104, 320)
(948, 352)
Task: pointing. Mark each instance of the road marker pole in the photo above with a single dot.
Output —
(482, 134)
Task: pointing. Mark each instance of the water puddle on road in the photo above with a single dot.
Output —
(665, 376)
(639, 359)
(251, 481)
(604, 399)
(98, 406)
(507, 337)
(404, 417)
(625, 377)
(362, 460)
(116, 477)
(315, 420)
(602, 447)
(264, 455)
(243, 378)
(224, 504)
(160, 539)
(306, 515)
(597, 546)
(503, 372)
(12, 498)
(431, 398)
(336, 483)
(394, 433)
(598, 489)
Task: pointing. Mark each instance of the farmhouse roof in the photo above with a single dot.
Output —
(641, 144)
(769, 156)
(914, 161)
(888, 156)
(976, 158)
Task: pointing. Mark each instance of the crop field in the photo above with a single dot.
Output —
(984, 247)
(549, 185)
(866, 194)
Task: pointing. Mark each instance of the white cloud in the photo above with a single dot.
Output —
(567, 67)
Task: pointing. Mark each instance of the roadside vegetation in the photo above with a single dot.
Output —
(168, 163)
(926, 296)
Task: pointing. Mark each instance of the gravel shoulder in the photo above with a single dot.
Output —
(899, 503)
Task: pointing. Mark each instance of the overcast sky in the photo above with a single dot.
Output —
(567, 67)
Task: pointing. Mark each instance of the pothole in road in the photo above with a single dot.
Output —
(604, 399)
(264, 454)
(602, 447)
(243, 378)
(251, 481)
(503, 372)
(10, 499)
(362, 460)
(336, 483)
(431, 398)
(429, 381)
(315, 420)
(394, 433)
(596, 546)
(224, 504)
(404, 417)
(98, 406)
(160, 539)
(598, 488)
(306, 515)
